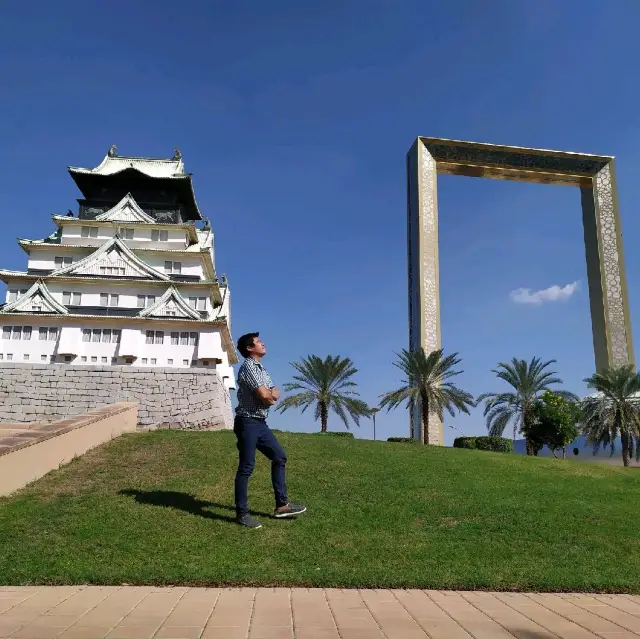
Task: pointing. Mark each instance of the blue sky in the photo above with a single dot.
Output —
(295, 118)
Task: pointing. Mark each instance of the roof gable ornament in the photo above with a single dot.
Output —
(113, 258)
(37, 299)
(113, 151)
(171, 304)
(126, 210)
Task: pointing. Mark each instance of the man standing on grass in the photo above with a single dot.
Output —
(256, 394)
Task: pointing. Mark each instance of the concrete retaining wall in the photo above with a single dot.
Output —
(183, 398)
(31, 453)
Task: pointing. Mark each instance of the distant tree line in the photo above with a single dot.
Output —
(531, 405)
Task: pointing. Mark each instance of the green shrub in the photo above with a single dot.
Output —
(495, 444)
(337, 434)
(403, 440)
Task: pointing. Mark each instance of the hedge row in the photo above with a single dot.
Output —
(337, 434)
(495, 444)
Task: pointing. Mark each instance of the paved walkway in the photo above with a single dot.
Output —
(209, 613)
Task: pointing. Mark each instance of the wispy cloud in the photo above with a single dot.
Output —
(554, 293)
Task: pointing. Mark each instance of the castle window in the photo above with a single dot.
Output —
(173, 268)
(107, 299)
(159, 236)
(198, 303)
(89, 231)
(62, 261)
(144, 301)
(73, 299)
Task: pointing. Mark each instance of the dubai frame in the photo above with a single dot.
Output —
(594, 175)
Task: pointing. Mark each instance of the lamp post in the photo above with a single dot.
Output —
(374, 411)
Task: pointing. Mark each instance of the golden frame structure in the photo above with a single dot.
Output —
(594, 175)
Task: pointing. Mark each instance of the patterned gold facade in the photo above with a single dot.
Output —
(594, 175)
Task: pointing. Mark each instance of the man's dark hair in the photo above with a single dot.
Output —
(245, 342)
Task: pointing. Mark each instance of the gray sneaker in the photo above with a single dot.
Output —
(248, 522)
(290, 510)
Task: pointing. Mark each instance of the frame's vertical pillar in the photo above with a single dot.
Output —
(423, 270)
(610, 321)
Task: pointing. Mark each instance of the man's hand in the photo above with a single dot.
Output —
(275, 393)
(265, 396)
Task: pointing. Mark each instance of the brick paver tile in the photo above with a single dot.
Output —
(360, 633)
(577, 615)
(232, 610)
(318, 632)
(311, 609)
(225, 632)
(81, 602)
(114, 607)
(159, 603)
(44, 627)
(392, 617)
(133, 632)
(272, 608)
(557, 624)
(607, 611)
(193, 609)
(46, 598)
(621, 602)
(7, 628)
(475, 622)
(431, 618)
(7, 603)
(179, 632)
(271, 632)
(352, 617)
(85, 632)
(30, 609)
(511, 620)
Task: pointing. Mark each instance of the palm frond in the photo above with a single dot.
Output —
(326, 382)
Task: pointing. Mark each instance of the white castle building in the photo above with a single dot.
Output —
(129, 280)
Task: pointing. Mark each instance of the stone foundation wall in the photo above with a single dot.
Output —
(183, 398)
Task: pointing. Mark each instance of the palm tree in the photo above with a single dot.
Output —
(426, 387)
(528, 380)
(614, 410)
(327, 384)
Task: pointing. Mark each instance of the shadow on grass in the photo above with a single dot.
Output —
(186, 502)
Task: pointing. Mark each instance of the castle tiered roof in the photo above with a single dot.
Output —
(151, 167)
(126, 172)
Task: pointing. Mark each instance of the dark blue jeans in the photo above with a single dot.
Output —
(254, 434)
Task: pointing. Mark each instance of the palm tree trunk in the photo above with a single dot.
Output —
(425, 418)
(625, 448)
(324, 417)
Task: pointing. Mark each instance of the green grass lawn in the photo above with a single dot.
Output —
(156, 508)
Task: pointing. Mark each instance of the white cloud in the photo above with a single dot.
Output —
(554, 293)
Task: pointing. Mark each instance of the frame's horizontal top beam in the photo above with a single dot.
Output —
(513, 163)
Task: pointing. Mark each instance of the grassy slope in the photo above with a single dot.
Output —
(380, 515)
